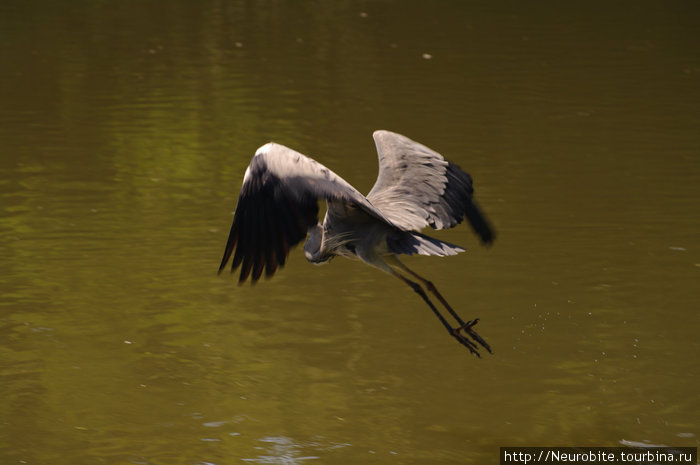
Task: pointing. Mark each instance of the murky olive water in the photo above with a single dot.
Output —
(125, 129)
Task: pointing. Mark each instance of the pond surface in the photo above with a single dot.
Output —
(125, 129)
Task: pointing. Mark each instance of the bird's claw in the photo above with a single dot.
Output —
(462, 338)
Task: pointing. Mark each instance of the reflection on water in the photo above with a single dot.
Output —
(283, 450)
(124, 133)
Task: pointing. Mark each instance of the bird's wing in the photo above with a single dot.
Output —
(277, 204)
(416, 187)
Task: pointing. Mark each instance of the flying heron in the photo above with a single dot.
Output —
(416, 187)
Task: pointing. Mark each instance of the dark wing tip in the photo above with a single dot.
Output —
(230, 245)
(458, 198)
(479, 223)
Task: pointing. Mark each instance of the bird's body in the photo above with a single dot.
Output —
(416, 187)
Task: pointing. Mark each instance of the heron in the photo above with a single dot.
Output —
(416, 187)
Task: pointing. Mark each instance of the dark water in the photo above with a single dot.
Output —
(125, 128)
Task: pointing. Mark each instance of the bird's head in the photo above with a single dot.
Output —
(313, 246)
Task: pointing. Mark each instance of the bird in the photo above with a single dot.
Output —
(416, 187)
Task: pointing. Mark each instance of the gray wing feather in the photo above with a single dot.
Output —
(410, 243)
(416, 187)
(277, 204)
(410, 180)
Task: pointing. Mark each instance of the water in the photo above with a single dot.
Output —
(125, 128)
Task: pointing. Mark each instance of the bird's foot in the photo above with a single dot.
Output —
(459, 334)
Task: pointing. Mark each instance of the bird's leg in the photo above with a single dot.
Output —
(455, 332)
(463, 326)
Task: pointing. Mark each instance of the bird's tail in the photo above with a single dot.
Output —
(410, 243)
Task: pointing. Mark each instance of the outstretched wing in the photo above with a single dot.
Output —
(277, 204)
(416, 187)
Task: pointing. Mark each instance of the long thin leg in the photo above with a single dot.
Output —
(463, 326)
(455, 332)
(431, 288)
